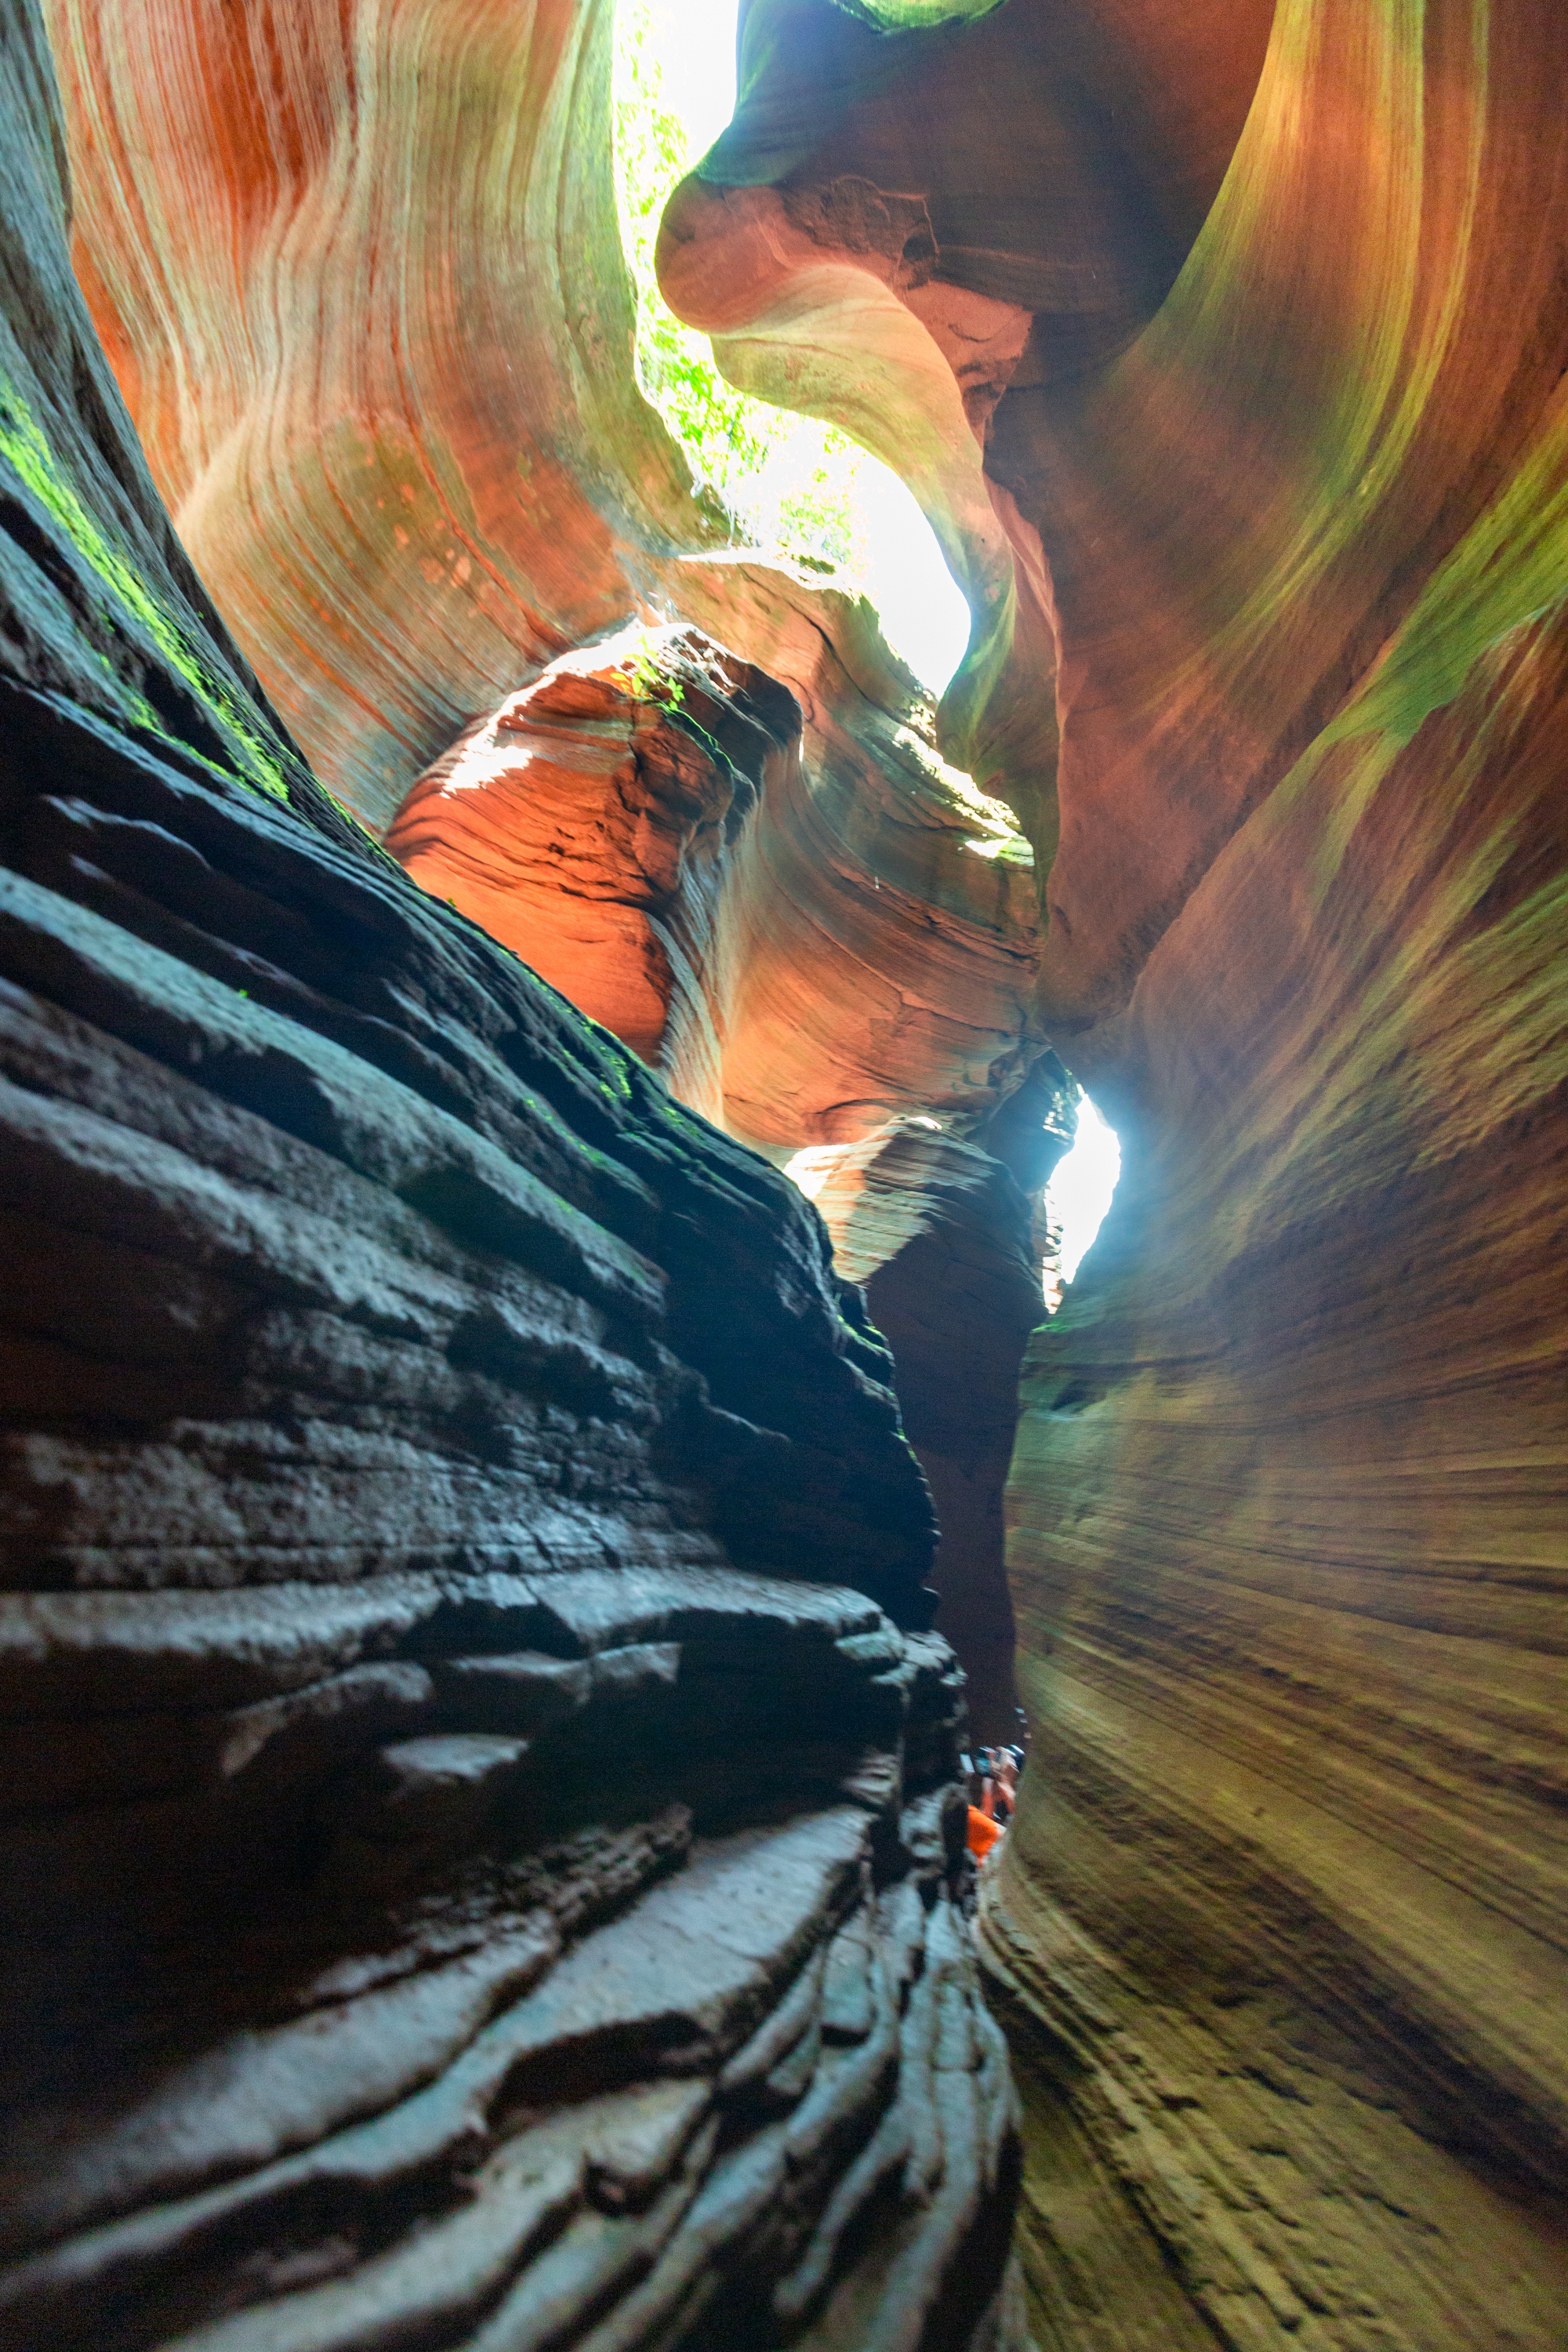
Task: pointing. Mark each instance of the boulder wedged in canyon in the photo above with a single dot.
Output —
(481, 1853)
(944, 1233)
(798, 956)
(1282, 1932)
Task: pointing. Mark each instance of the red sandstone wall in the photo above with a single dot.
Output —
(1283, 1921)
(362, 286)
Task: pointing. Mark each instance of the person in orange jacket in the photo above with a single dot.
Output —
(998, 1793)
(985, 1831)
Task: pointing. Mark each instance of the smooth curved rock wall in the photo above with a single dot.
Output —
(361, 280)
(468, 1879)
(900, 229)
(1281, 1930)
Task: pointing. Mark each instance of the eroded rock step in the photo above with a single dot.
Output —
(505, 2112)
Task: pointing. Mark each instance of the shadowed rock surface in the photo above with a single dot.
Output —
(1227, 347)
(944, 1234)
(1282, 1929)
(481, 1855)
(639, 826)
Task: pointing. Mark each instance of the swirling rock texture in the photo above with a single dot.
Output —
(1281, 1929)
(615, 824)
(587, 825)
(468, 1878)
(359, 276)
(358, 273)
(946, 1235)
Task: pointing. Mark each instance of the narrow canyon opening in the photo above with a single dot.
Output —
(795, 487)
(646, 710)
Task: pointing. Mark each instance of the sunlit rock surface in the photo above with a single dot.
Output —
(1282, 1929)
(480, 1851)
(592, 824)
(944, 1234)
(797, 955)
(639, 826)
(370, 318)
(895, 231)
(361, 280)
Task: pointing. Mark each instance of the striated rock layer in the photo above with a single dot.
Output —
(623, 825)
(594, 824)
(1282, 1931)
(944, 1232)
(359, 276)
(480, 1849)
(795, 953)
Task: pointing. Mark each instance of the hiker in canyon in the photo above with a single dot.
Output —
(544, 985)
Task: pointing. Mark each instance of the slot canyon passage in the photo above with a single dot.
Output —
(481, 1690)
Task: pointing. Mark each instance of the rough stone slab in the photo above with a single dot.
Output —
(264, 2093)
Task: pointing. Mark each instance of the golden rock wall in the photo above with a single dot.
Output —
(1282, 1927)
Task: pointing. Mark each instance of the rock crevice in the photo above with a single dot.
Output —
(480, 1838)
(1280, 1930)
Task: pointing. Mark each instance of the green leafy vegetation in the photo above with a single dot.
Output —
(650, 680)
(647, 679)
(24, 445)
(906, 16)
(788, 481)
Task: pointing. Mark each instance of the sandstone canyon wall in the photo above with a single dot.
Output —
(481, 1846)
(946, 1235)
(1225, 346)
(359, 274)
(798, 949)
(1282, 1932)
(360, 278)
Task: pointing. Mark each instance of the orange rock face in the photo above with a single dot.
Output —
(362, 286)
(640, 826)
(329, 254)
(1283, 1922)
(585, 823)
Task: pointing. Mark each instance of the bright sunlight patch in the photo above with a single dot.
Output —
(794, 486)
